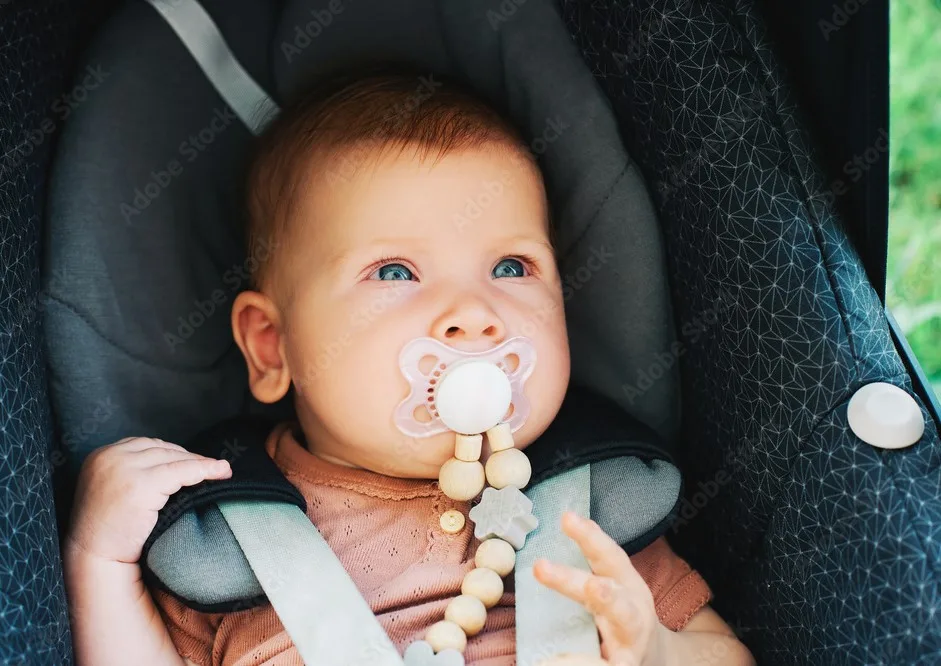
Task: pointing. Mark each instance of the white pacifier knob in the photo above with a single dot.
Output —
(473, 397)
(885, 416)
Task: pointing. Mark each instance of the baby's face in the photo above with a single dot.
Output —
(458, 251)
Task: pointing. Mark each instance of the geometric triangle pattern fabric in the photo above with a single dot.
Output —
(34, 45)
(821, 549)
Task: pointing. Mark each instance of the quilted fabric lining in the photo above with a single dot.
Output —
(765, 386)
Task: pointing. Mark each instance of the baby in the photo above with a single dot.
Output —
(361, 189)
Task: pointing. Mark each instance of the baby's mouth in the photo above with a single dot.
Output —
(461, 390)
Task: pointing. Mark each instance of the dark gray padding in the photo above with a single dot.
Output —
(123, 284)
(119, 283)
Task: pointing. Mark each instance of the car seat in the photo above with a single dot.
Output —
(821, 548)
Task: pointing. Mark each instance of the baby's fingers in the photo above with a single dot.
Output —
(563, 579)
(620, 619)
(172, 476)
(618, 616)
(604, 555)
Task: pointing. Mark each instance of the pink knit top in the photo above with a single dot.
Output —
(387, 534)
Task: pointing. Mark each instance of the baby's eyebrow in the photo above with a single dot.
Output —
(389, 245)
(531, 240)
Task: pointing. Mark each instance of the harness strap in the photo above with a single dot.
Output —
(313, 595)
(201, 37)
(548, 623)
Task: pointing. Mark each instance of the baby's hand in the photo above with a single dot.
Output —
(614, 593)
(122, 486)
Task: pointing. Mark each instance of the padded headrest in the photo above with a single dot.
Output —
(144, 243)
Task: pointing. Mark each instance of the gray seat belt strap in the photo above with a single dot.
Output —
(548, 623)
(205, 42)
(319, 605)
(329, 621)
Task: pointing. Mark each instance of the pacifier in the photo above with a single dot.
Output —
(473, 394)
(466, 392)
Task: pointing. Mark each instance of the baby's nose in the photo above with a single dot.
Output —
(468, 322)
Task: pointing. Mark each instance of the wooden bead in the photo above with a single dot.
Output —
(467, 612)
(485, 584)
(510, 467)
(461, 480)
(446, 635)
(500, 437)
(452, 521)
(467, 447)
(496, 554)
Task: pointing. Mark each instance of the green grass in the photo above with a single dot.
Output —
(913, 290)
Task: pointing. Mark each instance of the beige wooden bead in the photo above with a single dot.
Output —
(510, 467)
(446, 635)
(500, 437)
(467, 612)
(467, 447)
(452, 521)
(485, 584)
(496, 554)
(461, 480)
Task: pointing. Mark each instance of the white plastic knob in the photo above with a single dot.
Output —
(473, 397)
(885, 416)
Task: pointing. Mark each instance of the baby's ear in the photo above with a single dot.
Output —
(258, 331)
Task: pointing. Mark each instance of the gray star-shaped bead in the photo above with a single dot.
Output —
(420, 653)
(506, 513)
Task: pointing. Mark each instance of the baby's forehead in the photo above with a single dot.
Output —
(392, 190)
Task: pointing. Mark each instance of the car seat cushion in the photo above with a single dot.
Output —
(143, 243)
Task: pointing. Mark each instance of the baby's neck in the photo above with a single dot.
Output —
(335, 461)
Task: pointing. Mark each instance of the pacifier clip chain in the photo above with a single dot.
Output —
(502, 520)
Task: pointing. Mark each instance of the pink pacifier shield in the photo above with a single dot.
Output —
(425, 363)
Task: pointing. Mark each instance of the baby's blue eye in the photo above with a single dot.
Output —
(509, 267)
(393, 272)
